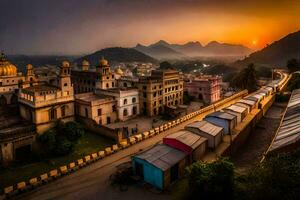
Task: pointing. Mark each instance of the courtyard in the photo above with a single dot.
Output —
(17, 172)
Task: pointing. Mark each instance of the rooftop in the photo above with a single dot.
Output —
(289, 131)
(222, 115)
(41, 88)
(188, 138)
(206, 127)
(162, 156)
(88, 97)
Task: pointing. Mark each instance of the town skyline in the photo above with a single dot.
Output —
(76, 28)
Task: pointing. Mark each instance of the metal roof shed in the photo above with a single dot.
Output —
(160, 165)
(222, 119)
(288, 134)
(244, 106)
(240, 110)
(188, 142)
(251, 103)
(213, 133)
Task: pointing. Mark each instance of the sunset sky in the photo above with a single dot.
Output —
(77, 26)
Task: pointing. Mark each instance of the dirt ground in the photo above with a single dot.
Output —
(259, 139)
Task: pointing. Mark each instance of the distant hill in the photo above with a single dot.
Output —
(276, 54)
(163, 49)
(160, 51)
(117, 54)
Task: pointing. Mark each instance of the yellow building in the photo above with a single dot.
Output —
(44, 104)
(164, 88)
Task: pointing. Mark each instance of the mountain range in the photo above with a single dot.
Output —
(164, 50)
(276, 54)
(117, 54)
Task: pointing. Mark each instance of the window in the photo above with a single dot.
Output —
(154, 103)
(63, 111)
(113, 84)
(99, 112)
(133, 100)
(113, 76)
(107, 85)
(134, 110)
(154, 94)
(125, 101)
(66, 84)
(144, 95)
(86, 112)
(125, 84)
(125, 112)
(52, 114)
(144, 87)
(114, 109)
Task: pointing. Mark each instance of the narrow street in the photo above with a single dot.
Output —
(259, 139)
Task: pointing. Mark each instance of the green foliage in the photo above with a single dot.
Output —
(73, 131)
(276, 178)
(211, 180)
(246, 79)
(63, 147)
(61, 139)
(293, 65)
(294, 82)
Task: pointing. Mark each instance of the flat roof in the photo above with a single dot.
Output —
(236, 108)
(88, 97)
(162, 156)
(222, 115)
(188, 138)
(206, 127)
(247, 101)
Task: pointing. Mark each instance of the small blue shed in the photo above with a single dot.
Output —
(160, 165)
(222, 119)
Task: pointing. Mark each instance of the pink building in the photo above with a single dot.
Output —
(206, 88)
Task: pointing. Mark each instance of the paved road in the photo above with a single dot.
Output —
(92, 182)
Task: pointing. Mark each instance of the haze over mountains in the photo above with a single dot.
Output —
(164, 50)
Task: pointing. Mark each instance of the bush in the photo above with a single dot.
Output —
(61, 139)
(211, 180)
(73, 131)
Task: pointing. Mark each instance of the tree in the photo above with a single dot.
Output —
(63, 147)
(73, 131)
(293, 65)
(165, 65)
(211, 180)
(246, 79)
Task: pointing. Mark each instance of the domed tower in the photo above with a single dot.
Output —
(64, 82)
(85, 65)
(106, 78)
(6, 68)
(103, 68)
(30, 77)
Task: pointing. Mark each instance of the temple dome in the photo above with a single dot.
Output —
(103, 62)
(29, 66)
(85, 63)
(119, 71)
(6, 68)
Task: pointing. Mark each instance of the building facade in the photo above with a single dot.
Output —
(44, 104)
(100, 108)
(86, 79)
(204, 88)
(127, 101)
(164, 88)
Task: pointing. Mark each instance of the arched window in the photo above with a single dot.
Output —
(125, 101)
(107, 85)
(125, 84)
(125, 112)
(133, 100)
